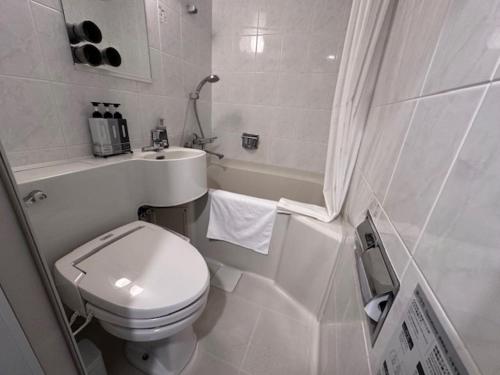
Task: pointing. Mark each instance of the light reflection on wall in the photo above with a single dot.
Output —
(252, 45)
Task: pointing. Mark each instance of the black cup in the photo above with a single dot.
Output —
(87, 54)
(111, 56)
(85, 31)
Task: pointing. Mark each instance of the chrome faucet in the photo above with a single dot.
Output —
(159, 139)
(220, 156)
(201, 141)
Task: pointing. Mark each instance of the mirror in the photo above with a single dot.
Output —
(109, 35)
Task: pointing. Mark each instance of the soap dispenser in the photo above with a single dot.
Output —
(122, 124)
(108, 113)
(117, 114)
(96, 113)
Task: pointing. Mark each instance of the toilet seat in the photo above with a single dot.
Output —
(110, 318)
(154, 333)
(141, 282)
(141, 330)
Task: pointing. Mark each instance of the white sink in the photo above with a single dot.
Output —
(173, 176)
(172, 154)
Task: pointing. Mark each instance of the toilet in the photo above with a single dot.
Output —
(145, 285)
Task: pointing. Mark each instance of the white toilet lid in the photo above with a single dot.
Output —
(145, 274)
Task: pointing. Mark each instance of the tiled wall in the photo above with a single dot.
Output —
(44, 100)
(429, 168)
(278, 63)
(342, 348)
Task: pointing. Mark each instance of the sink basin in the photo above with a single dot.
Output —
(173, 176)
(172, 154)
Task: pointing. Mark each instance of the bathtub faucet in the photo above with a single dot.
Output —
(202, 142)
(220, 156)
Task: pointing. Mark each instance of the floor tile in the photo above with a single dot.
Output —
(225, 328)
(253, 331)
(264, 292)
(204, 363)
(279, 346)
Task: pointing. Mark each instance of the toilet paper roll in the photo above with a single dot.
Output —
(373, 309)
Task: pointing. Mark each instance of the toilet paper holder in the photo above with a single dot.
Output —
(377, 280)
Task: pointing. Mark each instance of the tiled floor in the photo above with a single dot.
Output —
(255, 330)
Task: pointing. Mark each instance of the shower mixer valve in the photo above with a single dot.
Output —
(200, 141)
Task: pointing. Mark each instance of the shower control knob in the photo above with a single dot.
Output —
(34, 197)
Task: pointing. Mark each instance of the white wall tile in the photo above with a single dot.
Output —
(243, 52)
(244, 17)
(313, 125)
(279, 65)
(398, 255)
(297, 154)
(331, 17)
(221, 12)
(320, 90)
(153, 23)
(222, 53)
(458, 253)
(264, 88)
(191, 34)
(20, 52)
(293, 89)
(324, 54)
(384, 135)
(268, 54)
(294, 56)
(29, 118)
(469, 46)
(173, 76)
(297, 15)
(286, 122)
(54, 4)
(157, 85)
(72, 104)
(170, 30)
(414, 35)
(438, 127)
(19, 158)
(360, 200)
(270, 17)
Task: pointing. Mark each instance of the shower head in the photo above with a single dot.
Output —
(212, 78)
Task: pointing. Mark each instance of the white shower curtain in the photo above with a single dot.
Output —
(356, 80)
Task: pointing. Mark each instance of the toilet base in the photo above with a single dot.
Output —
(166, 357)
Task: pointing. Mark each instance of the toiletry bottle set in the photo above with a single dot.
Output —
(109, 131)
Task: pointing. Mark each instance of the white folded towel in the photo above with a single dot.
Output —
(289, 206)
(240, 219)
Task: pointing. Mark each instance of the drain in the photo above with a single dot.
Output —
(145, 356)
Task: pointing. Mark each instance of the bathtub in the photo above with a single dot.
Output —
(312, 262)
(264, 181)
(303, 251)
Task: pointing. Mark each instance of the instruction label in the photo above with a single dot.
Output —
(420, 345)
